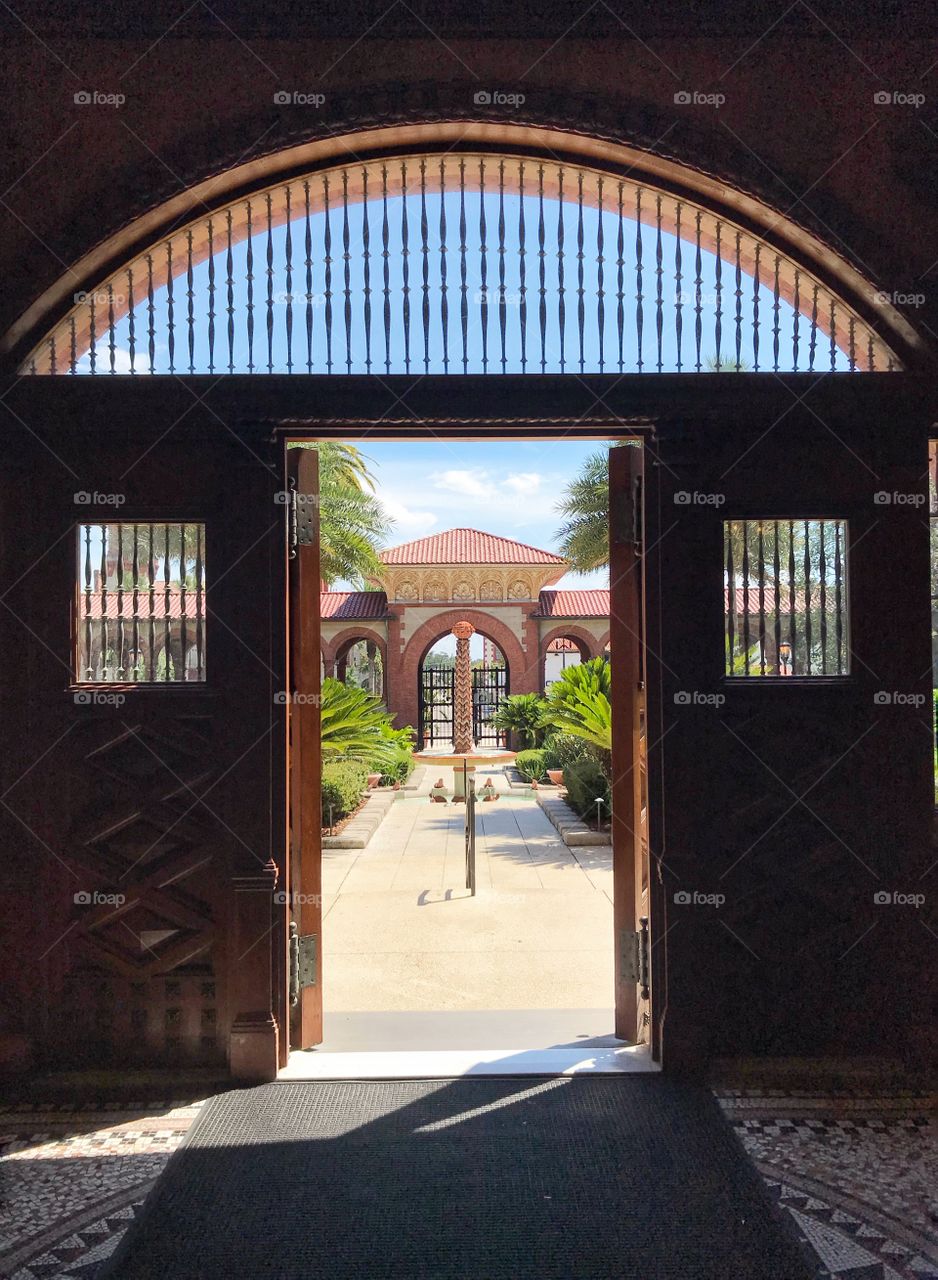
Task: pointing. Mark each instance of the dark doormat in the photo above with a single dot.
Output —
(553, 1179)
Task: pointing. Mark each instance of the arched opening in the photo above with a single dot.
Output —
(437, 692)
(560, 653)
(360, 662)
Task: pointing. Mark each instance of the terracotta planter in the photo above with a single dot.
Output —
(556, 776)
(373, 779)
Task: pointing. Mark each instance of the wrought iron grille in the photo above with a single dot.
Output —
(436, 706)
(785, 597)
(457, 264)
(489, 689)
(141, 603)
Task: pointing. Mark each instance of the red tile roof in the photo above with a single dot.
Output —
(468, 546)
(95, 604)
(336, 605)
(574, 604)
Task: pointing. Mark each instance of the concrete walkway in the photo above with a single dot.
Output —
(401, 932)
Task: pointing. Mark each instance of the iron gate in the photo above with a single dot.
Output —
(489, 688)
(436, 706)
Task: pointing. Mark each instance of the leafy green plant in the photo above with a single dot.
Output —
(343, 782)
(585, 781)
(522, 714)
(563, 749)
(530, 764)
(578, 703)
(356, 726)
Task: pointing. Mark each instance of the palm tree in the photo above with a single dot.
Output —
(353, 524)
(579, 703)
(584, 536)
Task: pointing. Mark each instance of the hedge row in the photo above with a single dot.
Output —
(343, 782)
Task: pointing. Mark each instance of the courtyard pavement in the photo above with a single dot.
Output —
(401, 932)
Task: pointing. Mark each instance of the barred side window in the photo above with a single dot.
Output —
(785, 598)
(141, 603)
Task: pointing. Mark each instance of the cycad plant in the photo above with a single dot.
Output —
(579, 703)
(523, 714)
(355, 725)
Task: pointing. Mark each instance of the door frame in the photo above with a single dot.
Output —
(627, 872)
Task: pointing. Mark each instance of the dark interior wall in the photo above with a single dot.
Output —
(797, 121)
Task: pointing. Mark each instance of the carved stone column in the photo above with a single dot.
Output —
(462, 693)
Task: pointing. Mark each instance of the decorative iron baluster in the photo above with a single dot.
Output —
(444, 301)
(639, 318)
(463, 288)
(755, 311)
(620, 277)
(792, 597)
(728, 528)
(347, 263)
(405, 268)
(135, 599)
(822, 594)
(761, 545)
(870, 355)
(698, 291)
(678, 286)
(718, 318)
(483, 277)
(542, 257)
(190, 303)
(425, 261)
(308, 249)
(600, 295)
(838, 600)
(580, 303)
(812, 342)
(288, 255)
(807, 596)
(502, 309)
(659, 283)
(167, 652)
(776, 296)
(250, 284)
(833, 337)
(73, 346)
(119, 670)
(104, 630)
(327, 262)
(92, 336)
(211, 296)
(89, 667)
(184, 673)
(777, 589)
(111, 344)
(170, 310)
(795, 332)
(852, 344)
(151, 598)
(522, 290)
(561, 310)
(746, 631)
(366, 268)
(52, 368)
(739, 302)
(229, 272)
(199, 605)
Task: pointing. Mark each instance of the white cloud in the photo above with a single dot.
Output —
(523, 483)
(406, 519)
(472, 483)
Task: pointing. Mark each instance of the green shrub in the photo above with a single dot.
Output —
(579, 703)
(521, 714)
(563, 749)
(343, 782)
(585, 780)
(399, 768)
(530, 764)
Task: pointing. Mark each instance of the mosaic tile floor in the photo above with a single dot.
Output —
(857, 1173)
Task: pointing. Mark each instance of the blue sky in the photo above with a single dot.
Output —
(501, 487)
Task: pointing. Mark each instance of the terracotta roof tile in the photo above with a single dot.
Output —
(336, 605)
(468, 546)
(574, 604)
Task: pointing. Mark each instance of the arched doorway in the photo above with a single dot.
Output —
(360, 662)
(437, 692)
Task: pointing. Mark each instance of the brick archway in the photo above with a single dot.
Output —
(336, 649)
(522, 673)
(586, 642)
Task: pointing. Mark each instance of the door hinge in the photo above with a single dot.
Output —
(634, 956)
(302, 513)
(302, 962)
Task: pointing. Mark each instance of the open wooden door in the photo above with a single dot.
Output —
(629, 784)
(305, 769)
